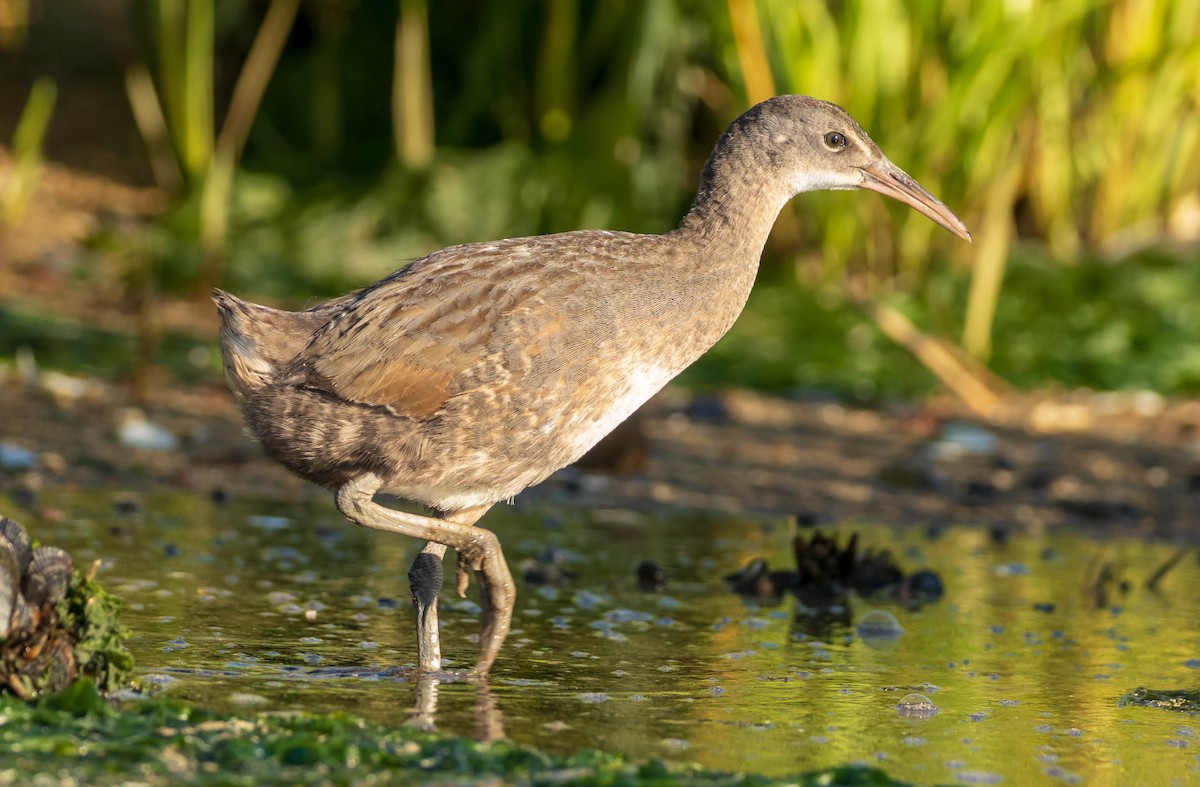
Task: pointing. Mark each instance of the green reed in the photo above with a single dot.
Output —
(1075, 123)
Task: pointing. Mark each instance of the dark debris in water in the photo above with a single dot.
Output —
(1184, 700)
(163, 741)
(56, 625)
(826, 572)
(650, 576)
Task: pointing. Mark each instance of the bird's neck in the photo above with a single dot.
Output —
(721, 240)
(735, 207)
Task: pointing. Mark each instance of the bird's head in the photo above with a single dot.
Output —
(819, 146)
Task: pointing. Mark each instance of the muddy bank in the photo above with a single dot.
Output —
(1128, 464)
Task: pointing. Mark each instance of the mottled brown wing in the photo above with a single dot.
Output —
(410, 343)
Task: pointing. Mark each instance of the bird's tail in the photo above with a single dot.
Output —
(256, 341)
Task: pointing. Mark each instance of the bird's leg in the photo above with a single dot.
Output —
(479, 547)
(497, 596)
(425, 582)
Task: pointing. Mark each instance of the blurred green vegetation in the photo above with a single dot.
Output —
(1098, 324)
(314, 145)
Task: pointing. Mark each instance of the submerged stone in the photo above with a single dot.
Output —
(1185, 700)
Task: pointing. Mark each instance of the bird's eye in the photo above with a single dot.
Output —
(835, 140)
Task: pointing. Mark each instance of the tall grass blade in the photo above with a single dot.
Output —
(197, 88)
(412, 86)
(152, 124)
(757, 79)
(17, 186)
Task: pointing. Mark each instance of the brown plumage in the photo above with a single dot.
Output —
(480, 369)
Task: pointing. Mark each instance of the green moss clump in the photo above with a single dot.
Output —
(80, 637)
(91, 614)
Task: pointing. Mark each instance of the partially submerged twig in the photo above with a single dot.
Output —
(1161, 571)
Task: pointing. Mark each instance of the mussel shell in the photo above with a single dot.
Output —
(49, 576)
(18, 542)
(10, 587)
(23, 616)
(51, 664)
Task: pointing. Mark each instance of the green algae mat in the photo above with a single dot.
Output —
(75, 735)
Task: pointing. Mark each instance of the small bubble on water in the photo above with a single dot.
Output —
(675, 744)
(593, 697)
(916, 706)
(879, 629)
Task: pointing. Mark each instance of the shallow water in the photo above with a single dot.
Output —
(254, 606)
